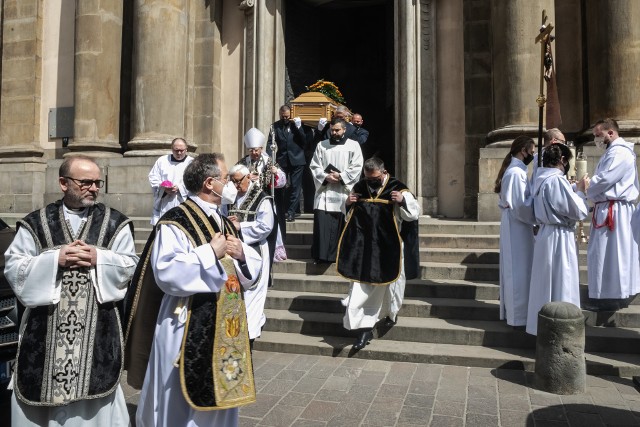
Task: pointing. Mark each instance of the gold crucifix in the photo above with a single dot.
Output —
(543, 38)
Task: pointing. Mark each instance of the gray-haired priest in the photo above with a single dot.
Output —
(69, 264)
(187, 316)
(378, 250)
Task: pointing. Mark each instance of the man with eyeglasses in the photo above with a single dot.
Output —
(166, 179)
(187, 342)
(253, 215)
(263, 171)
(70, 264)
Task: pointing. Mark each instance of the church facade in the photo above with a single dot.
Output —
(444, 85)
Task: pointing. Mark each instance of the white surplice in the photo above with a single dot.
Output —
(257, 231)
(280, 181)
(554, 276)
(181, 270)
(166, 169)
(347, 158)
(612, 255)
(35, 281)
(516, 243)
(367, 304)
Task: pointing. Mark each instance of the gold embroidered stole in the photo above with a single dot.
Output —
(232, 369)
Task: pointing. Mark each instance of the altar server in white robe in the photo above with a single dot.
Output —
(516, 231)
(253, 215)
(36, 273)
(182, 270)
(614, 273)
(336, 166)
(169, 168)
(555, 276)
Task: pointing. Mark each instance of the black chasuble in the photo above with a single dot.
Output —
(216, 328)
(71, 350)
(370, 246)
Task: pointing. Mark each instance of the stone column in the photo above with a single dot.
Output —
(516, 85)
(264, 63)
(98, 44)
(160, 55)
(22, 165)
(614, 64)
(416, 99)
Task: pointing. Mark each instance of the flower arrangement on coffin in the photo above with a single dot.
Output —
(328, 89)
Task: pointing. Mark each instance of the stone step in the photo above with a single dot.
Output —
(624, 365)
(428, 288)
(426, 226)
(449, 331)
(428, 270)
(442, 308)
(439, 307)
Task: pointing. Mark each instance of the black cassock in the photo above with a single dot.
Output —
(370, 245)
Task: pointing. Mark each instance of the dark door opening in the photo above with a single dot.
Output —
(348, 42)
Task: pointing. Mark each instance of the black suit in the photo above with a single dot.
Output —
(291, 142)
(352, 132)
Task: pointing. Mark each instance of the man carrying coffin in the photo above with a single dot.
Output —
(378, 249)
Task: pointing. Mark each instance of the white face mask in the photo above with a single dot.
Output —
(229, 193)
(599, 140)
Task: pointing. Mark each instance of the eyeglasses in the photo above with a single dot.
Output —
(178, 151)
(86, 183)
(238, 181)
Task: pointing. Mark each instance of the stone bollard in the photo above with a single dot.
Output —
(560, 362)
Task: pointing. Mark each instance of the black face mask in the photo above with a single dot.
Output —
(566, 168)
(374, 184)
(527, 159)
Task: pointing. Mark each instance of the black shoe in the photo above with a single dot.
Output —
(364, 339)
(388, 323)
(290, 218)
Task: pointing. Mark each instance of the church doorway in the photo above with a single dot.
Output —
(348, 42)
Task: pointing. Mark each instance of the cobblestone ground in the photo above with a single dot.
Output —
(304, 390)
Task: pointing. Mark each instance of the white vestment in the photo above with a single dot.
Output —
(280, 180)
(347, 158)
(367, 304)
(257, 231)
(516, 243)
(554, 276)
(612, 255)
(35, 281)
(167, 170)
(181, 270)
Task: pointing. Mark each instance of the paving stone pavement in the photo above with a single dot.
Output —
(309, 391)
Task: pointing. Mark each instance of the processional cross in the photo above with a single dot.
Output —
(544, 38)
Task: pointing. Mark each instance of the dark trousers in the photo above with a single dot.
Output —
(308, 190)
(281, 210)
(294, 177)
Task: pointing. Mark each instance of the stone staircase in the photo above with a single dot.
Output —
(450, 314)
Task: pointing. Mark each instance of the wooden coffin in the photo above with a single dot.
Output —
(312, 106)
